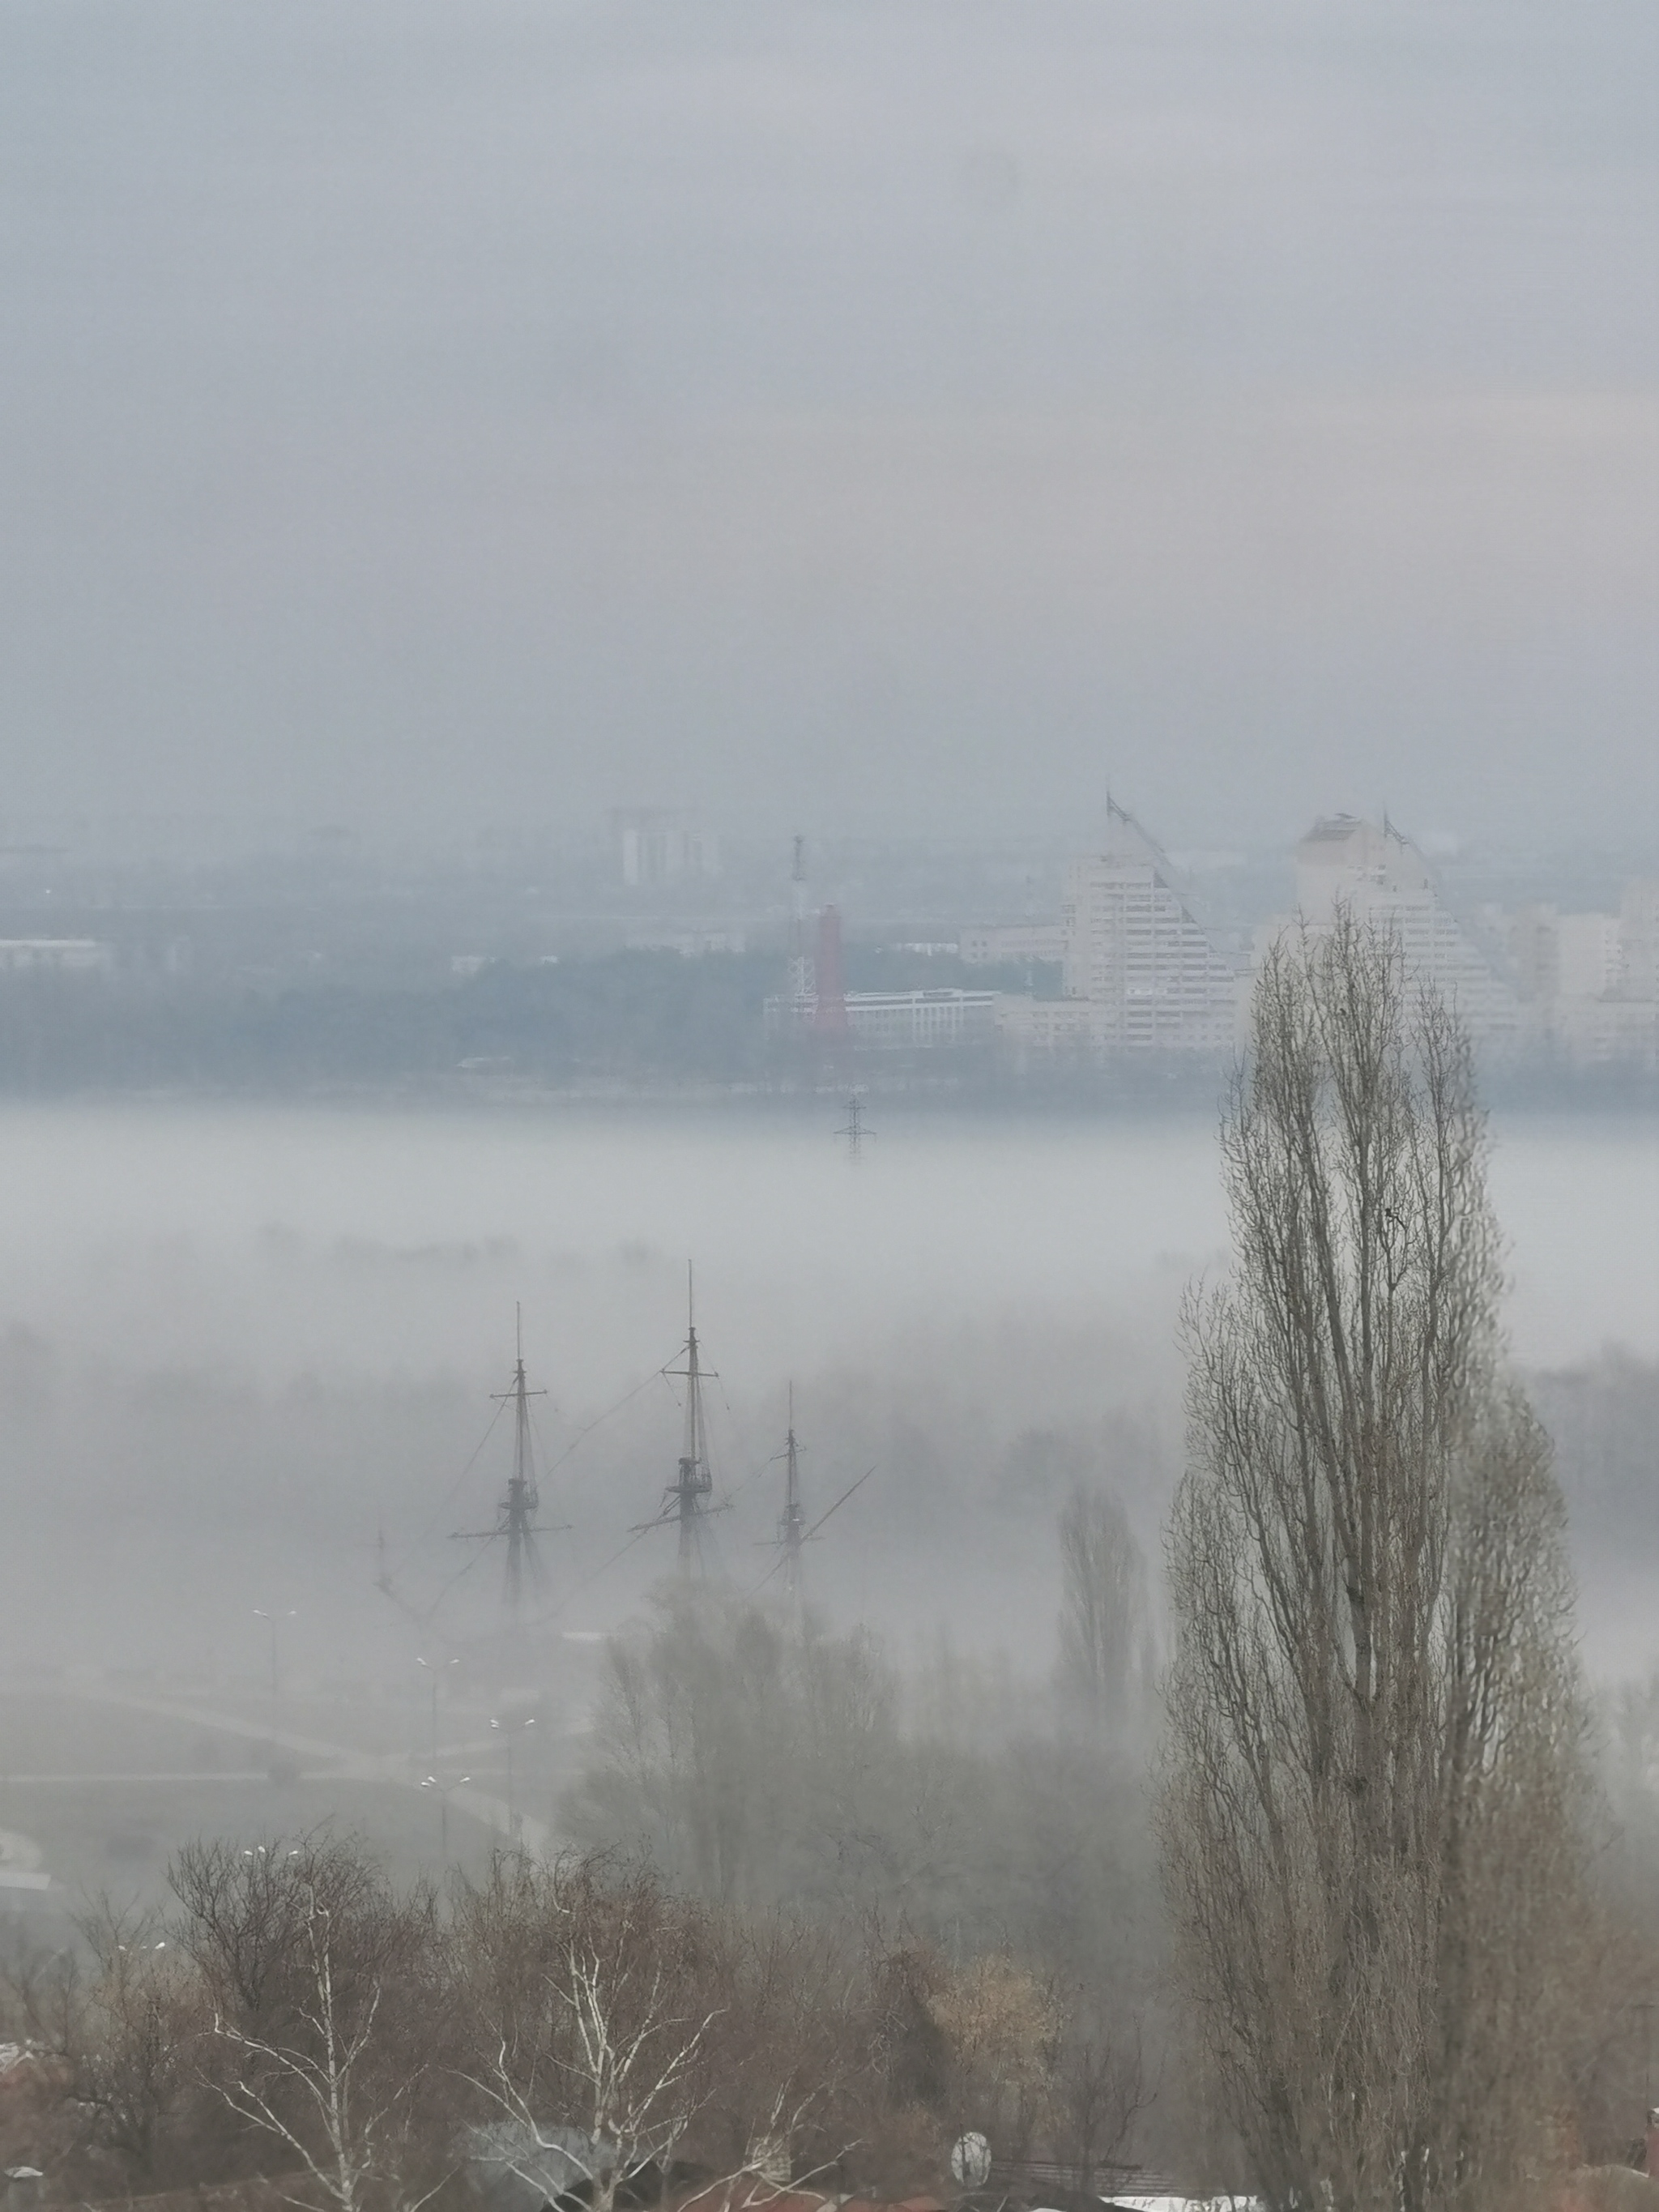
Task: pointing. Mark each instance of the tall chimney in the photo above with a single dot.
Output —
(829, 1016)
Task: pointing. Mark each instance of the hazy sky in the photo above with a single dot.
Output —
(902, 414)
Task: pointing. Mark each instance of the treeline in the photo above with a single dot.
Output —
(759, 1763)
(623, 1016)
(581, 2027)
(815, 1921)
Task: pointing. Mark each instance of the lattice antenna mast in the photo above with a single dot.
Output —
(696, 1481)
(792, 1528)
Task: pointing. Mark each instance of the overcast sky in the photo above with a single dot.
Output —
(840, 414)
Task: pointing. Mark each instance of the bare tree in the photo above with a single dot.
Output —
(589, 2011)
(247, 1915)
(1375, 1720)
(115, 2025)
(320, 1980)
(137, 2024)
(321, 2086)
(1104, 1626)
(1098, 2089)
(790, 2063)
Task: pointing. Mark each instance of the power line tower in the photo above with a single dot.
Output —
(687, 1499)
(516, 1515)
(792, 1528)
(856, 1130)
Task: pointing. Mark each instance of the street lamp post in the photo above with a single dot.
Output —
(259, 1614)
(443, 1789)
(507, 1729)
(438, 1673)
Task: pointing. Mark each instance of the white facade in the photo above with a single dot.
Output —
(690, 944)
(1380, 878)
(55, 955)
(992, 944)
(1154, 978)
(1638, 939)
(1589, 982)
(1587, 955)
(897, 1021)
(1053, 1027)
(660, 848)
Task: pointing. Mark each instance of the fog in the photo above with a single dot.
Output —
(586, 591)
(240, 1344)
(420, 417)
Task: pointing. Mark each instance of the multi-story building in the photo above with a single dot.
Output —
(893, 1021)
(1638, 940)
(1590, 982)
(1051, 1028)
(1154, 978)
(897, 1021)
(656, 846)
(1000, 943)
(1380, 877)
(56, 956)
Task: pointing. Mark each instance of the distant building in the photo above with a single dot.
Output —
(1587, 982)
(892, 1021)
(657, 845)
(1380, 877)
(1587, 964)
(56, 956)
(1638, 940)
(1153, 977)
(898, 1021)
(1139, 971)
(1052, 1028)
(1005, 944)
(690, 944)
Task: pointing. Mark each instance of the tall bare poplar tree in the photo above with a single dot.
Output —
(1103, 1628)
(1369, 1816)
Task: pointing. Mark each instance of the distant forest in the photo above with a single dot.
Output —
(647, 1018)
(629, 1015)
(625, 1017)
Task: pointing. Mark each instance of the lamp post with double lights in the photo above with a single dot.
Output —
(443, 1789)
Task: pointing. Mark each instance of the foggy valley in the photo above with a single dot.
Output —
(248, 1355)
(828, 1106)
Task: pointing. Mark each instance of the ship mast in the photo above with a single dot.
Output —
(515, 1516)
(518, 1508)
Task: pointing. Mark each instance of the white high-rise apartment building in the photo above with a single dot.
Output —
(1381, 878)
(1152, 978)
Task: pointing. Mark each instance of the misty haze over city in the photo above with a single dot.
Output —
(870, 419)
(829, 1083)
